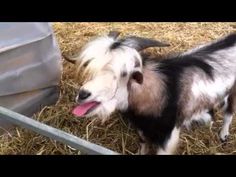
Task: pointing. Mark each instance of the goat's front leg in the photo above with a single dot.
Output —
(144, 145)
(171, 143)
(144, 149)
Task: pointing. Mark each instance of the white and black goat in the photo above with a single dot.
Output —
(157, 96)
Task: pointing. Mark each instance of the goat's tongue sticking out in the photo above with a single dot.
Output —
(82, 109)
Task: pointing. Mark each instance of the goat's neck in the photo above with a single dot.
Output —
(148, 97)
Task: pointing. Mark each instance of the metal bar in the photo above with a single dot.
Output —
(50, 132)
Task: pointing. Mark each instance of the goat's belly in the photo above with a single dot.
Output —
(202, 117)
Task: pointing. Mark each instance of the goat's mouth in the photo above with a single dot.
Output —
(85, 108)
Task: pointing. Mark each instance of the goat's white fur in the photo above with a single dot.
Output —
(202, 117)
(171, 143)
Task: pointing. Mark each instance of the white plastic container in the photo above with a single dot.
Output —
(30, 67)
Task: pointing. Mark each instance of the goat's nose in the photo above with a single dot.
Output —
(83, 94)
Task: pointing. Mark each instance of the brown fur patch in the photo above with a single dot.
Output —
(148, 97)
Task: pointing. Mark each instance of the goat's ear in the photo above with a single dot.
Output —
(140, 43)
(69, 59)
(137, 76)
(114, 34)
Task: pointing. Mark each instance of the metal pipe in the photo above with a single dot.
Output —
(56, 134)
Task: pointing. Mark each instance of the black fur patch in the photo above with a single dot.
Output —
(227, 42)
(177, 65)
(115, 45)
(229, 108)
(86, 63)
(137, 63)
(155, 129)
(211, 112)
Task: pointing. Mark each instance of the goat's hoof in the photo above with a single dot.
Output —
(224, 134)
(224, 138)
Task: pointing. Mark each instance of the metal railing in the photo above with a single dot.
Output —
(56, 134)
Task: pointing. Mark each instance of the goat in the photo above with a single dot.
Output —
(158, 97)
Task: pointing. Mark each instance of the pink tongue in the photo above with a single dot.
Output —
(82, 109)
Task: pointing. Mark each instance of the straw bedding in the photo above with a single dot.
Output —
(117, 134)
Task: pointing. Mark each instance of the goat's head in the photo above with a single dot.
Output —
(111, 62)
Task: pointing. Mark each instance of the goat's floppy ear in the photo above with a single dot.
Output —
(137, 76)
(69, 59)
(114, 34)
(140, 43)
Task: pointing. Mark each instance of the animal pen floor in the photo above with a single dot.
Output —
(117, 134)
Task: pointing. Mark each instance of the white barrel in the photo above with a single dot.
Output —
(30, 67)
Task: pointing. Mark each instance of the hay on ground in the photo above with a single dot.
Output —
(117, 134)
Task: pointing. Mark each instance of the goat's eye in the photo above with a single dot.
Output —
(123, 74)
(86, 63)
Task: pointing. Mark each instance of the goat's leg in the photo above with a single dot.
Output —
(144, 145)
(229, 110)
(144, 149)
(171, 143)
(224, 133)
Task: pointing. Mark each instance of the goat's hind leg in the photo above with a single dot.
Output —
(229, 110)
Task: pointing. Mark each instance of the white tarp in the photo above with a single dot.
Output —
(30, 67)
